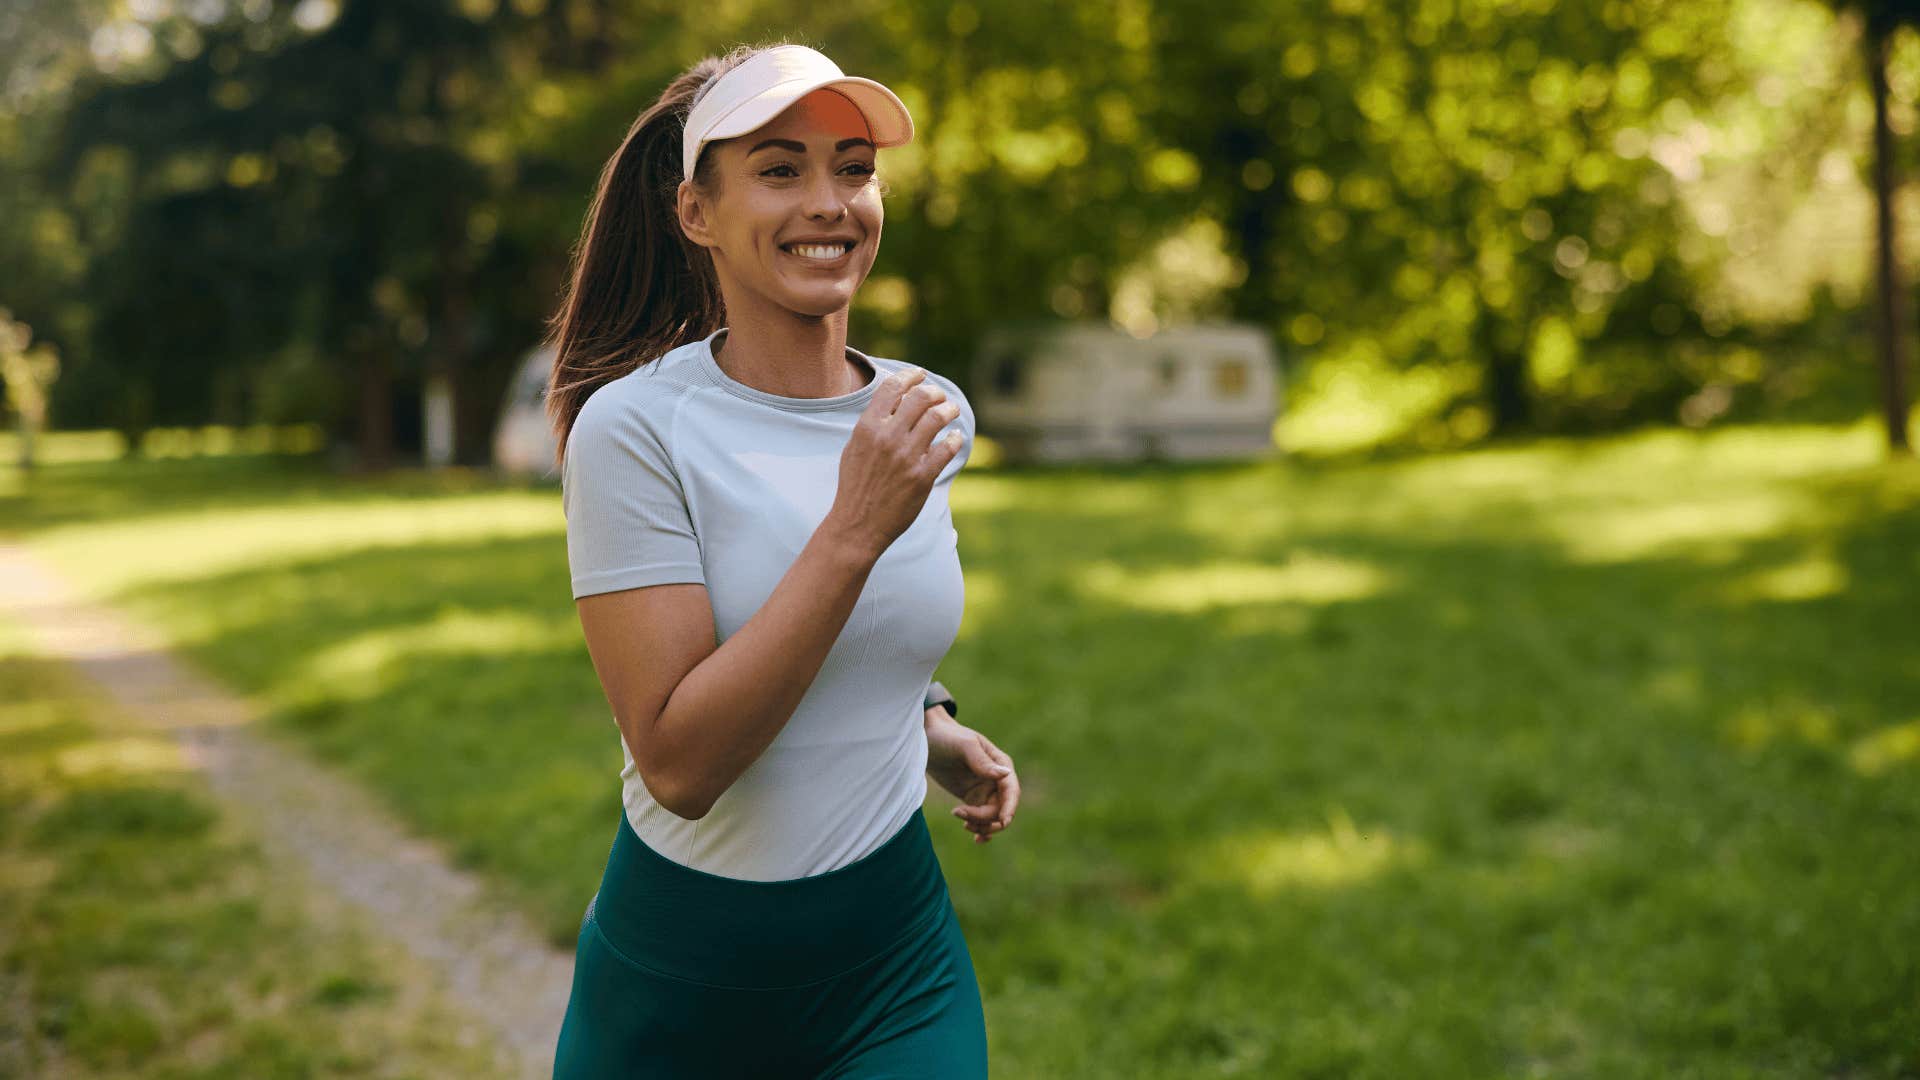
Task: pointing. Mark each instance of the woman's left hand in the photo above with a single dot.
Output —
(973, 770)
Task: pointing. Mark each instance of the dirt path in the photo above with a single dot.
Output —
(490, 961)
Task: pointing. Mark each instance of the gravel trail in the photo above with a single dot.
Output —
(489, 961)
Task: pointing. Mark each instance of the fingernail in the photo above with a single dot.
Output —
(1002, 768)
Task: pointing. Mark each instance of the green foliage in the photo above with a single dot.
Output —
(1535, 205)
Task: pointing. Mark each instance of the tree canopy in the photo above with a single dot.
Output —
(1502, 215)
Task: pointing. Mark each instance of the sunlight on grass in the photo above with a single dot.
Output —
(1267, 860)
(1704, 496)
(121, 757)
(1881, 750)
(211, 440)
(986, 597)
(1670, 456)
(1607, 710)
(1891, 746)
(217, 440)
(1306, 577)
(1754, 728)
(1723, 525)
(1606, 500)
(1777, 450)
(60, 448)
(146, 935)
(24, 718)
(363, 666)
(186, 546)
(984, 494)
(1662, 461)
(1813, 575)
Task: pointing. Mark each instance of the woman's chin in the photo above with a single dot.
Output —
(820, 301)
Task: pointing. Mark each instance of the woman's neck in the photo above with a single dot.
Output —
(790, 355)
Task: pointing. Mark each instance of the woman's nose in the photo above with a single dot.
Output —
(823, 202)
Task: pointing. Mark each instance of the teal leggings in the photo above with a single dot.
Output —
(858, 972)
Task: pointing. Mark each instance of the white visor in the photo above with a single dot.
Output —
(762, 87)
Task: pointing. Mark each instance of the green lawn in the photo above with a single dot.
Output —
(143, 935)
(1592, 758)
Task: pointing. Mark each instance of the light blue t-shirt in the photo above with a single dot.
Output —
(678, 473)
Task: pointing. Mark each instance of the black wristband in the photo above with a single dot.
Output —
(937, 695)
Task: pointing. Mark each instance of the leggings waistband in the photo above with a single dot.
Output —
(735, 932)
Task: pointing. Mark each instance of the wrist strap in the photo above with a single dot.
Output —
(937, 695)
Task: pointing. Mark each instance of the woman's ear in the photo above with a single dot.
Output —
(693, 215)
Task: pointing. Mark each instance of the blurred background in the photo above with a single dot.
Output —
(1456, 220)
(1486, 649)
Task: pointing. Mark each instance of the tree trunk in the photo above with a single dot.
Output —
(476, 409)
(1508, 396)
(1253, 220)
(447, 359)
(376, 408)
(1891, 326)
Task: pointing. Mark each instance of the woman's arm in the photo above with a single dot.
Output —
(975, 771)
(725, 705)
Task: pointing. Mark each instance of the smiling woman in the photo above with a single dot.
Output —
(766, 572)
(793, 230)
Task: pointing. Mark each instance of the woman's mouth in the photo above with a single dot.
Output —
(821, 255)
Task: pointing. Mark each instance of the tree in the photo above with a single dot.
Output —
(1883, 18)
(1440, 185)
(287, 183)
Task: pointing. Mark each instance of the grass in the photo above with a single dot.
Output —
(141, 934)
(1588, 758)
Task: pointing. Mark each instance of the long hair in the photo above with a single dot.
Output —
(639, 287)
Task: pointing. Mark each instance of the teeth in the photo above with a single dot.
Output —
(826, 252)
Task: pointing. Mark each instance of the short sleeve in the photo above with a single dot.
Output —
(968, 426)
(963, 422)
(627, 518)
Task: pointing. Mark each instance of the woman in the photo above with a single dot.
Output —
(767, 575)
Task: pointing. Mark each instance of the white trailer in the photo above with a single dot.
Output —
(1084, 391)
(523, 442)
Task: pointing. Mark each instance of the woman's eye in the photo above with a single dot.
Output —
(859, 169)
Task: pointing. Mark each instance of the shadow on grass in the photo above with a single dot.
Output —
(450, 677)
(79, 492)
(1489, 806)
(135, 911)
(1595, 829)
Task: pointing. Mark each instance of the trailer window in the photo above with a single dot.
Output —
(1230, 376)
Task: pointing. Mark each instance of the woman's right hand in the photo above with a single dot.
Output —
(890, 461)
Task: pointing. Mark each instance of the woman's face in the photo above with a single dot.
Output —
(804, 180)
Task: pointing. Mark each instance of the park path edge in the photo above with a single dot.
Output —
(490, 961)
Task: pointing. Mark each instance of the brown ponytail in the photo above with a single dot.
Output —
(639, 287)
